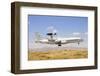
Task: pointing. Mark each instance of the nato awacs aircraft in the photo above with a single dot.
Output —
(53, 39)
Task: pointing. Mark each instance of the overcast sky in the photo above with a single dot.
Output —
(65, 26)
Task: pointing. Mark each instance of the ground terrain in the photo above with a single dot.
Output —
(58, 54)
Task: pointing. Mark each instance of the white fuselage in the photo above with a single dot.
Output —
(60, 41)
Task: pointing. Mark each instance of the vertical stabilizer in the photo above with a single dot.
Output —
(37, 36)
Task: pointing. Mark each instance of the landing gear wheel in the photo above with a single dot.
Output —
(59, 43)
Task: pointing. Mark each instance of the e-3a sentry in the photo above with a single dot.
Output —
(53, 39)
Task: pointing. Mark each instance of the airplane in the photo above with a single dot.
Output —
(53, 39)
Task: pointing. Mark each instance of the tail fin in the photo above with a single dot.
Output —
(37, 37)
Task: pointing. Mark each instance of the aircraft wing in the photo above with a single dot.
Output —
(69, 40)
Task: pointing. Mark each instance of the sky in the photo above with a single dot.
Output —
(66, 26)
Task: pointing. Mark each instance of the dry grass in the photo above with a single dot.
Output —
(62, 54)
